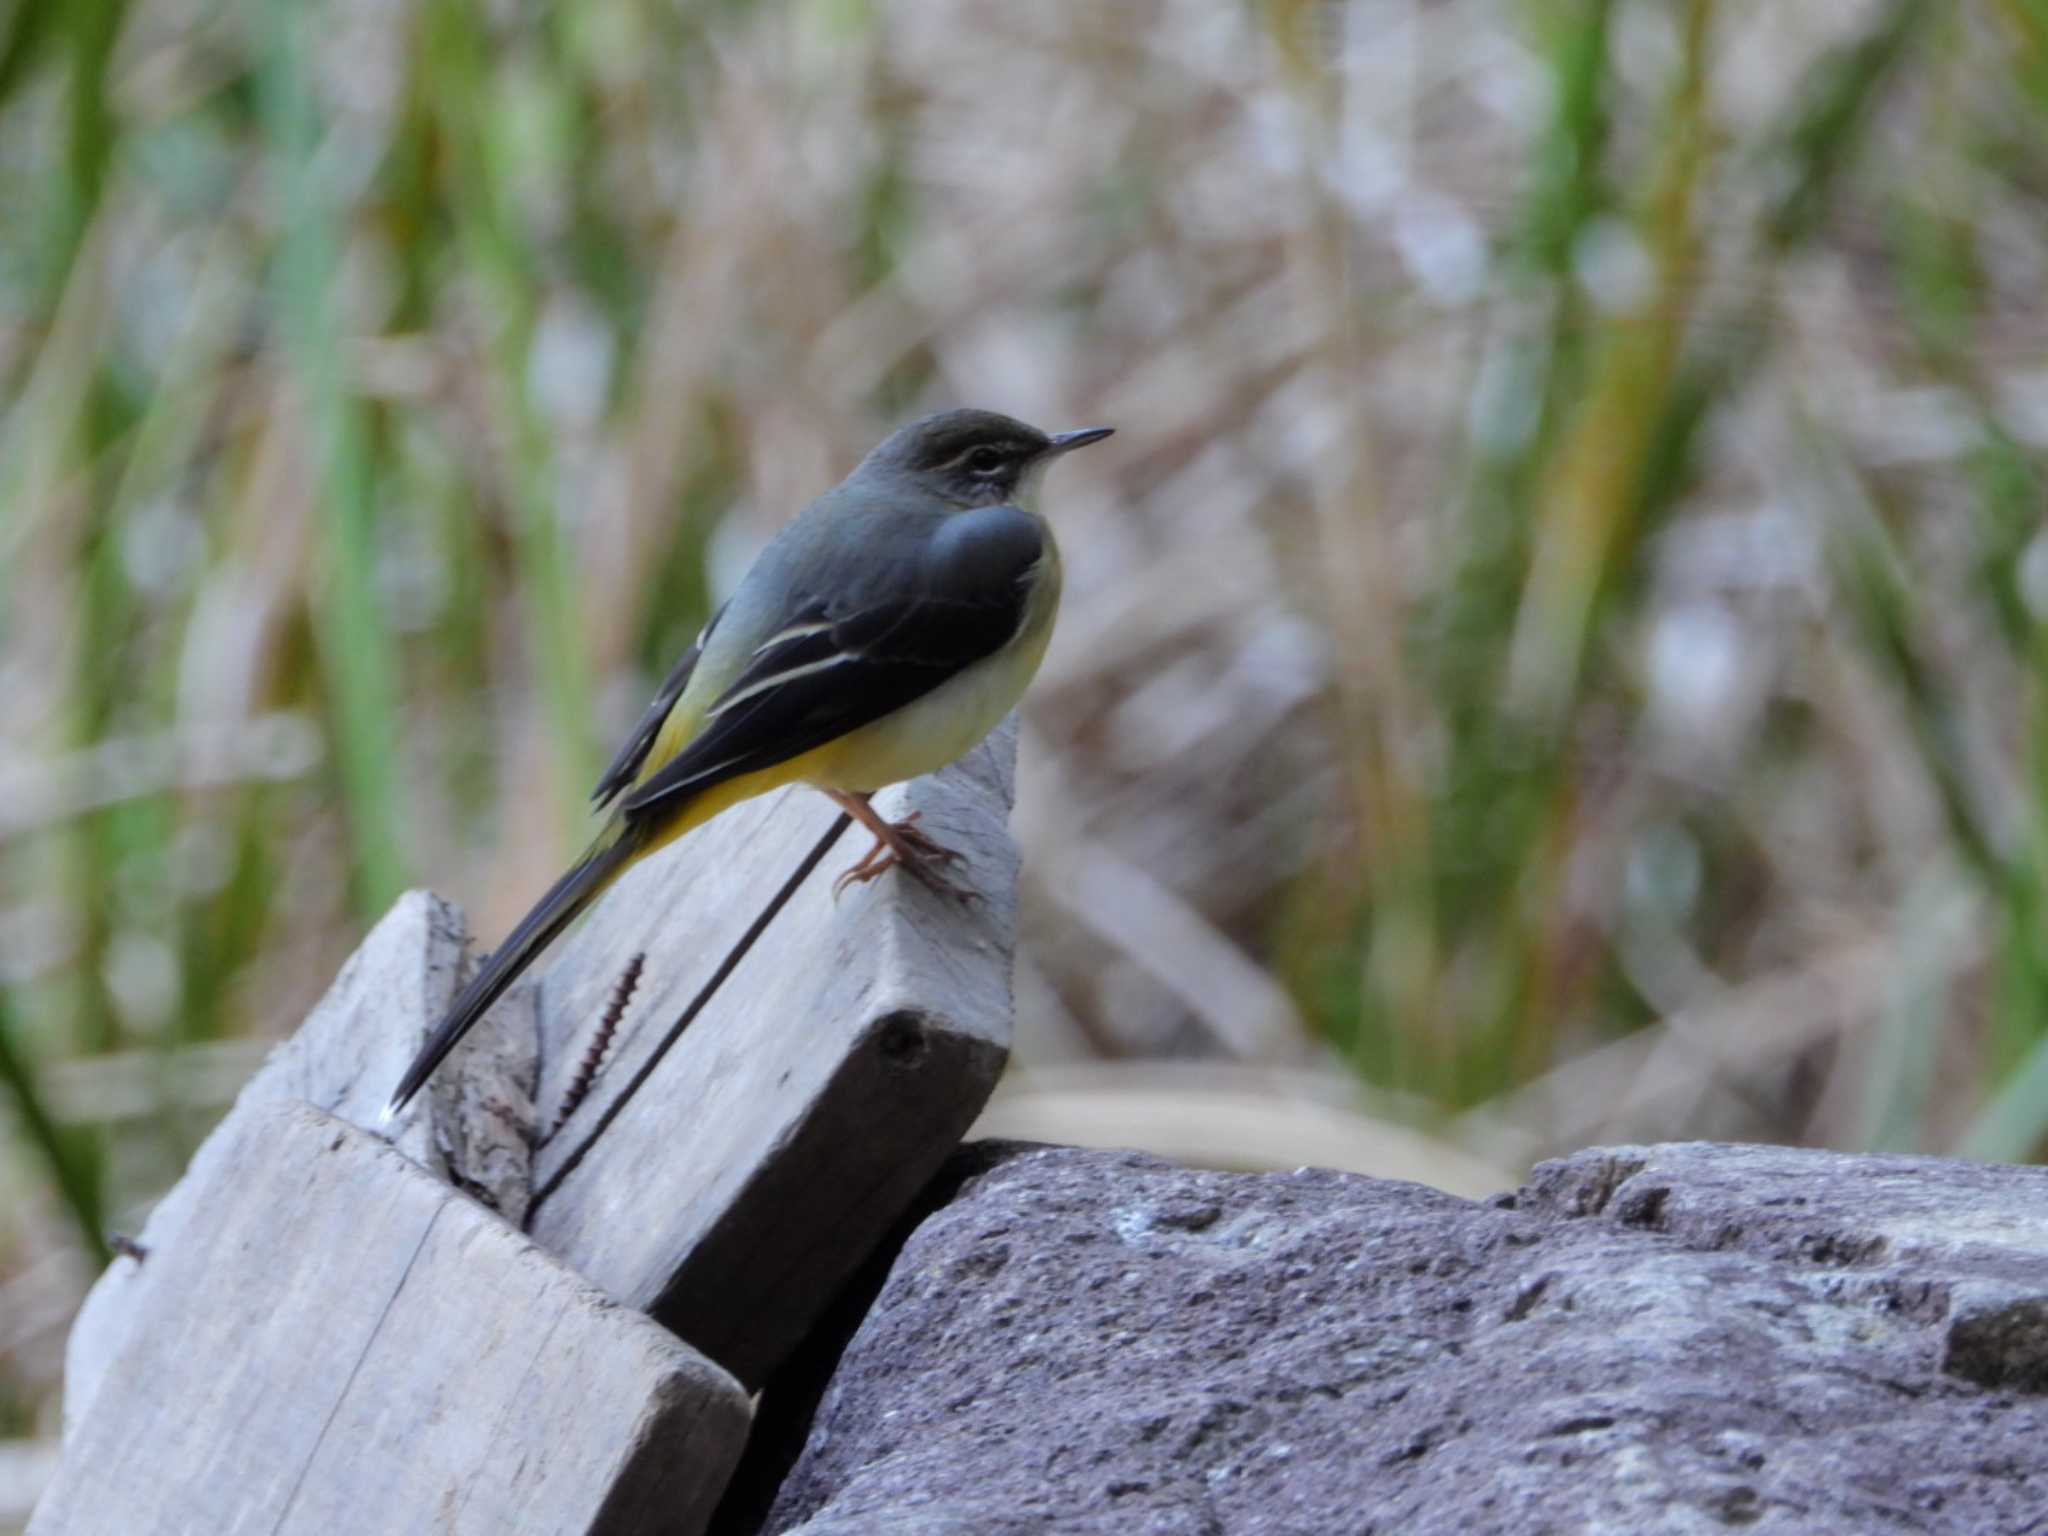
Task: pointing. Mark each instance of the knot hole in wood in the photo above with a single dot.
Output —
(903, 1038)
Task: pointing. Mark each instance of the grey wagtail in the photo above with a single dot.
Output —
(882, 633)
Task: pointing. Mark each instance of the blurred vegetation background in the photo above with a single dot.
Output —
(1555, 653)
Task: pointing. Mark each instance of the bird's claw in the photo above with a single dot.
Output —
(918, 854)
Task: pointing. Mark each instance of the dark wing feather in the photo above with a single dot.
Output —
(627, 764)
(958, 598)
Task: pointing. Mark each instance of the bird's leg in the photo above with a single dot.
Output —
(897, 843)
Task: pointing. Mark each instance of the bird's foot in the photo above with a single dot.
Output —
(899, 844)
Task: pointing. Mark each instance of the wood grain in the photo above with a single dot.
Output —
(350, 1344)
(473, 1129)
(324, 1334)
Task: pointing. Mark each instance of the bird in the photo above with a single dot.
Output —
(883, 632)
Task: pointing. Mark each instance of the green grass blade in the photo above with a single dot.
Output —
(73, 1159)
(355, 652)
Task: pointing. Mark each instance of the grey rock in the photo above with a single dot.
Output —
(1681, 1338)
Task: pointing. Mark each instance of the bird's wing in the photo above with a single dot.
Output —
(626, 766)
(840, 662)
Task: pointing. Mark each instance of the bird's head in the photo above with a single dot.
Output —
(972, 458)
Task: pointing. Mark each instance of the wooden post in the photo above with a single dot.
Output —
(325, 1334)
(343, 1060)
(348, 1344)
(817, 1088)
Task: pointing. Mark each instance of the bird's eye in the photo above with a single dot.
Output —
(985, 460)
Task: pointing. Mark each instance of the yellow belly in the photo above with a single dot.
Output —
(930, 732)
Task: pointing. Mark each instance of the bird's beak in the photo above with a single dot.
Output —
(1080, 437)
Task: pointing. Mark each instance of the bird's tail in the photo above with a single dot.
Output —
(585, 881)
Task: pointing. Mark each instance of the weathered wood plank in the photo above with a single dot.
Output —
(26, 1469)
(350, 1344)
(472, 1128)
(817, 1089)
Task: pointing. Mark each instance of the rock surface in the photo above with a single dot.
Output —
(1681, 1338)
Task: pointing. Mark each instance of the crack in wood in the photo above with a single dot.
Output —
(348, 1386)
